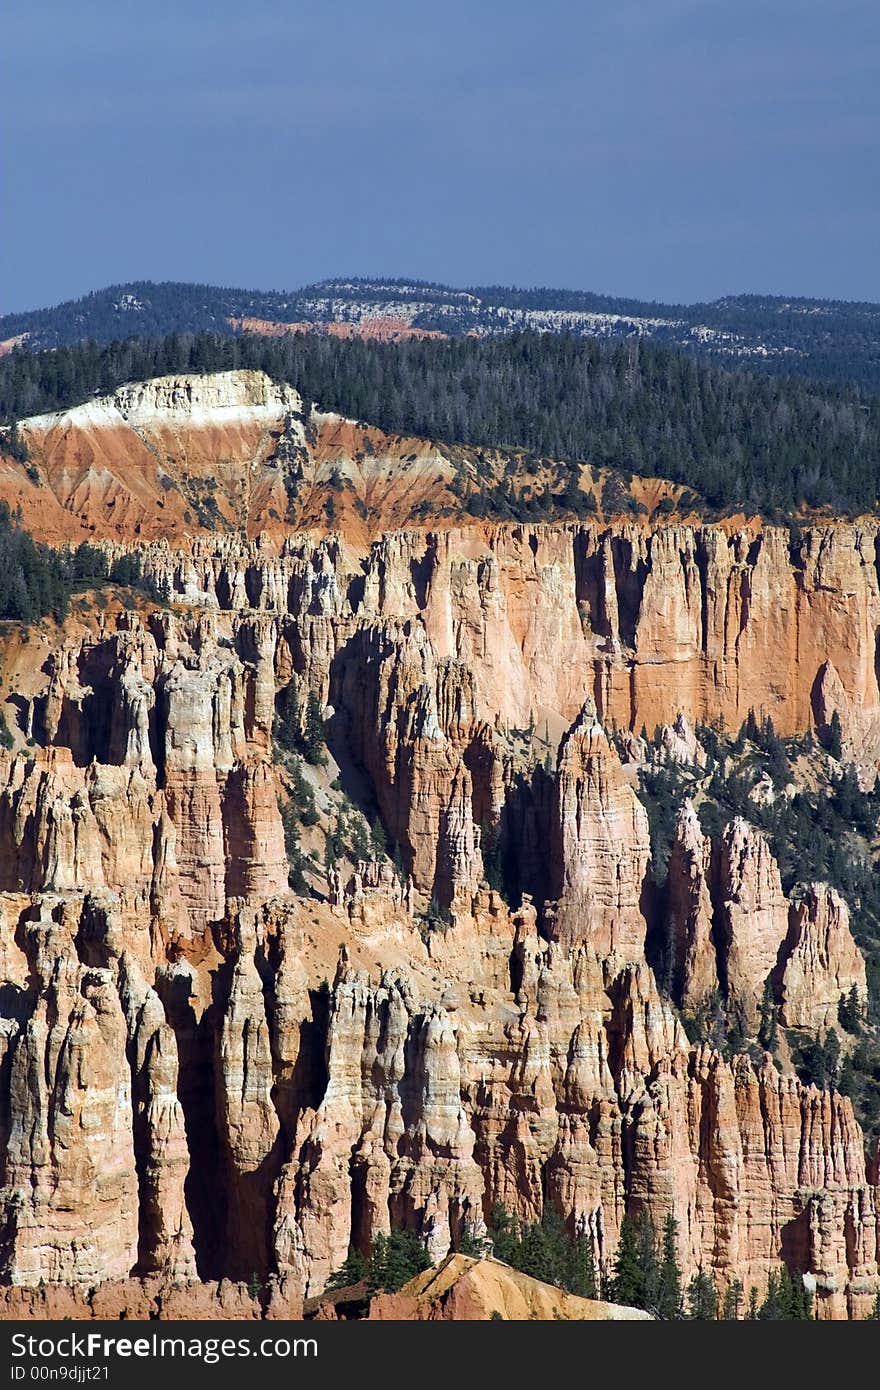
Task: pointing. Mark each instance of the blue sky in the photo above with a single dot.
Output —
(669, 149)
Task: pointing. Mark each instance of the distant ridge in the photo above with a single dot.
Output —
(829, 340)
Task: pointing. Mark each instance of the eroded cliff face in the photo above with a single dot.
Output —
(206, 1075)
(188, 454)
(821, 962)
(706, 622)
(152, 776)
(409, 1099)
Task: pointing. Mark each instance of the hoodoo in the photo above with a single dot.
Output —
(365, 875)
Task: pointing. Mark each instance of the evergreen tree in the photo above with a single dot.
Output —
(313, 741)
(128, 570)
(472, 1241)
(287, 731)
(768, 1033)
(296, 860)
(88, 565)
(650, 1261)
(795, 1300)
(669, 1296)
(395, 1260)
(351, 1272)
(702, 1298)
(504, 1232)
(379, 838)
(850, 1012)
(302, 795)
(33, 578)
(398, 862)
(331, 849)
(834, 739)
(733, 1301)
(832, 1058)
(490, 848)
(820, 1061)
(773, 1307)
(545, 1250)
(14, 445)
(580, 1267)
(360, 842)
(628, 1282)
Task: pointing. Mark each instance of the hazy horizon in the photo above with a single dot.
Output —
(676, 153)
(293, 289)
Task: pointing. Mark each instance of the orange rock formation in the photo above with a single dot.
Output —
(199, 1084)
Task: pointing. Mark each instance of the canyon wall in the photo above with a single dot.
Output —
(416, 1099)
(707, 621)
(206, 1076)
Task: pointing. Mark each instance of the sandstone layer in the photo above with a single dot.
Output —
(207, 1077)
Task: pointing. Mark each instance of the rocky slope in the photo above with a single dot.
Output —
(234, 451)
(208, 1076)
(183, 454)
(469, 1290)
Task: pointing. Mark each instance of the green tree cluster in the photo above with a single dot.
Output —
(822, 339)
(646, 1273)
(286, 730)
(702, 1298)
(314, 744)
(736, 438)
(14, 444)
(296, 858)
(817, 1058)
(787, 1299)
(393, 1261)
(296, 731)
(36, 581)
(851, 1012)
(545, 1250)
(302, 793)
